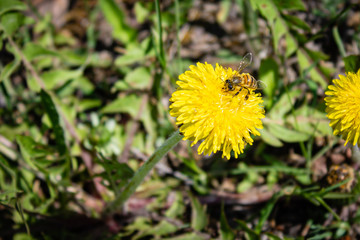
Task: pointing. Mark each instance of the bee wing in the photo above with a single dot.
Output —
(247, 59)
(261, 85)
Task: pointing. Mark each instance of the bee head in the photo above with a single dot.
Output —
(229, 85)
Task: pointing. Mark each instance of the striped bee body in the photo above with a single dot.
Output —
(240, 80)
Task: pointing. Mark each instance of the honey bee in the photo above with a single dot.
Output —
(339, 173)
(241, 80)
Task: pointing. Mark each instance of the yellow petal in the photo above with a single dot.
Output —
(343, 106)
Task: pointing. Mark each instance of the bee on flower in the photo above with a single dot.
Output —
(207, 110)
(240, 80)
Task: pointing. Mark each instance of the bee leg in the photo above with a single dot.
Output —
(247, 95)
(238, 92)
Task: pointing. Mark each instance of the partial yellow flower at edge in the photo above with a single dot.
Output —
(205, 111)
(343, 107)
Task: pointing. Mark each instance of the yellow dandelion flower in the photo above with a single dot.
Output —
(206, 111)
(343, 106)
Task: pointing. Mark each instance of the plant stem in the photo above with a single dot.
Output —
(143, 172)
(177, 21)
(338, 41)
(161, 47)
(325, 205)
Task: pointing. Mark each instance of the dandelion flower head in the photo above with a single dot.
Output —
(221, 119)
(343, 106)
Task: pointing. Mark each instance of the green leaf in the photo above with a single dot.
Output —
(51, 111)
(141, 12)
(291, 45)
(122, 170)
(283, 105)
(289, 5)
(129, 104)
(33, 50)
(11, 5)
(303, 124)
(57, 77)
(191, 163)
(317, 55)
(64, 39)
(198, 214)
(136, 53)
(75, 58)
(27, 148)
(226, 232)
(273, 236)
(342, 229)
(303, 179)
(116, 171)
(81, 82)
(87, 104)
(186, 236)
(9, 68)
(223, 13)
(23, 236)
(323, 127)
(11, 22)
(250, 21)
(144, 228)
(54, 78)
(270, 138)
(177, 208)
(286, 134)
(305, 63)
(140, 224)
(251, 233)
(266, 8)
(269, 74)
(249, 181)
(310, 120)
(139, 78)
(9, 194)
(7, 168)
(278, 31)
(163, 228)
(116, 18)
(321, 236)
(136, 79)
(131, 56)
(265, 211)
(352, 63)
(295, 21)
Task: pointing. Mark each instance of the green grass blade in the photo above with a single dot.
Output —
(265, 212)
(162, 57)
(50, 109)
(225, 230)
(251, 233)
(338, 41)
(143, 172)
